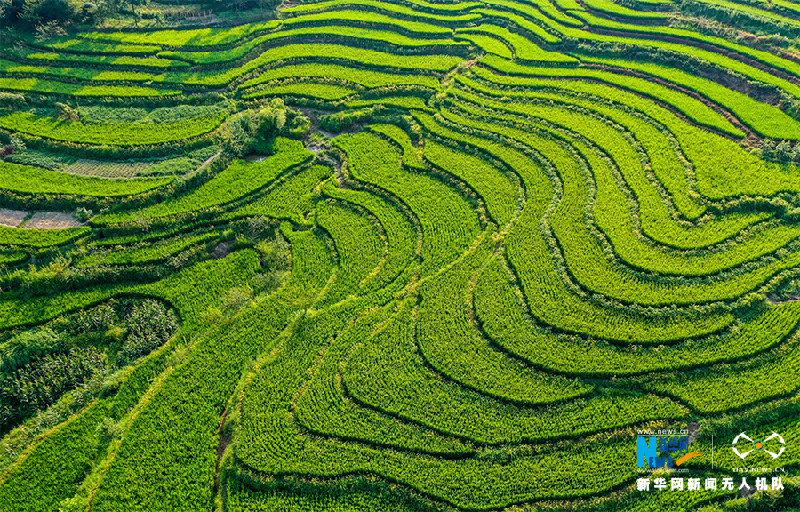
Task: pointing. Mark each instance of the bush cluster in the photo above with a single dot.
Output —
(252, 130)
(39, 365)
(783, 152)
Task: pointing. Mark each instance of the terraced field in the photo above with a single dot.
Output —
(400, 255)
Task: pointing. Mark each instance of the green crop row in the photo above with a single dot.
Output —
(733, 386)
(293, 52)
(390, 7)
(685, 49)
(41, 309)
(202, 384)
(270, 441)
(48, 472)
(188, 37)
(713, 231)
(722, 167)
(541, 10)
(94, 60)
(654, 214)
(393, 7)
(767, 120)
(411, 155)
(498, 308)
(522, 22)
(359, 245)
(312, 90)
(587, 261)
(500, 194)
(453, 346)
(147, 253)
(750, 9)
(32, 180)
(401, 238)
(488, 44)
(238, 180)
(142, 236)
(291, 199)
(412, 392)
(615, 9)
(121, 134)
(364, 35)
(11, 258)
(313, 267)
(49, 86)
(290, 52)
(13, 68)
(243, 497)
(84, 46)
(690, 107)
(449, 223)
(364, 77)
(613, 216)
(619, 228)
(39, 237)
(210, 371)
(791, 6)
(449, 7)
(524, 49)
(544, 286)
(324, 409)
(401, 102)
(416, 28)
(69, 450)
(650, 34)
(348, 495)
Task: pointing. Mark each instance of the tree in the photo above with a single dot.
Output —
(252, 130)
(49, 16)
(6, 10)
(48, 31)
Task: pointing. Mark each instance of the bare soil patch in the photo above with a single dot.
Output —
(221, 250)
(11, 218)
(53, 220)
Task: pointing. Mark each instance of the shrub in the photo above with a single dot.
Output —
(83, 214)
(150, 324)
(67, 113)
(252, 130)
(41, 383)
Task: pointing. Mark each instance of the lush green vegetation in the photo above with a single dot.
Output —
(31, 180)
(394, 256)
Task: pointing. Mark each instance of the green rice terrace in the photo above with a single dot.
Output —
(398, 255)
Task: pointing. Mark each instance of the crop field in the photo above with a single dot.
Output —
(401, 256)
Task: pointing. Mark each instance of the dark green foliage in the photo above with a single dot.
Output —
(783, 152)
(37, 385)
(28, 346)
(42, 12)
(252, 131)
(150, 324)
(342, 120)
(37, 366)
